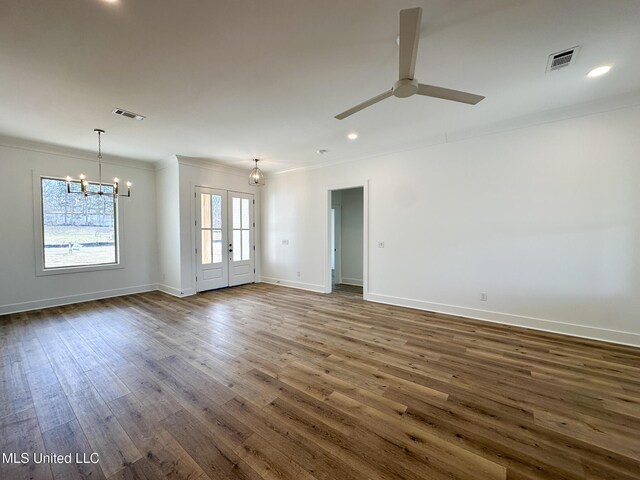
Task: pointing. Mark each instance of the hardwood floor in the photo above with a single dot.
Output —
(268, 382)
(344, 288)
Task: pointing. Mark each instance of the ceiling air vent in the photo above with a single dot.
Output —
(562, 59)
(125, 113)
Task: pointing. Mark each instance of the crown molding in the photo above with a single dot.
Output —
(214, 165)
(167, 162)
(61, 151)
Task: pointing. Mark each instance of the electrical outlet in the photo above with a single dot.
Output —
(381, 244)
(483, 296)
(298, 274)
(285, 242)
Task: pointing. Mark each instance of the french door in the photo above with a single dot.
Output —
(225, 251)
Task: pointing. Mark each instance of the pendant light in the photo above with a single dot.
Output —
(84, 183)
(256, 177)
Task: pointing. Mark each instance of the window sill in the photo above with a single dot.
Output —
(40, 272)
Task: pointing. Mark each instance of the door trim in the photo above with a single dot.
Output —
(364, 184)
(338, 244)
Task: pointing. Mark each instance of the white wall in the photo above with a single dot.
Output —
(20, 288)
(543, 219)
(168, 235)
(351, 229)
(294, 250)
(195, 172)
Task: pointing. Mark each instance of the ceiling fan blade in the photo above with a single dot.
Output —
(410, 20)
(363, 105)
(448, 94)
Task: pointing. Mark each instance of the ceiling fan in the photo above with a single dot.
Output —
(407, 85)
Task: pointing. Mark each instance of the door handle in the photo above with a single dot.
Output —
(230, 247)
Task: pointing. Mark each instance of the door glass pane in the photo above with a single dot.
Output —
(216, 205)
(217, 246)
(206, 247)
(245, 245)
(205, 211)
(245, 213)
(237, 246)
(236, 212)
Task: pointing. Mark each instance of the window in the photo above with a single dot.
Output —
(77, 231)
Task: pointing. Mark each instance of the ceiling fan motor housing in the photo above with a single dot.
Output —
(405, 87)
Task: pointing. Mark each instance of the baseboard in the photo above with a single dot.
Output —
(287, 283)
(83, 297)
(351, 281)
(170, 290)
(582, 331)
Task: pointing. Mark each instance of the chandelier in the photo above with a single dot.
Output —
(84, 183)
(256, 177)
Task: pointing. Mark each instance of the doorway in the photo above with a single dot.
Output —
(347, 240)
(225, 246)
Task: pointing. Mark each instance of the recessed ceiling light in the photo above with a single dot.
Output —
(596, 72)
(352, 136)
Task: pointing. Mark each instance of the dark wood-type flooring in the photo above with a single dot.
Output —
(269, 382)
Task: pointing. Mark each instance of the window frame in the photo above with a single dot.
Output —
(38, 221)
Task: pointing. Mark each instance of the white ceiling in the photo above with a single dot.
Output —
(229, 80)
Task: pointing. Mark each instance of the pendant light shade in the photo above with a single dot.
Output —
(256, 177)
